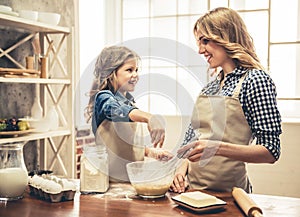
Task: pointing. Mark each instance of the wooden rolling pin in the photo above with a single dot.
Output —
(248, 206)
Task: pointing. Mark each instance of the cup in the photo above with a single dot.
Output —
(29, 62)
(44, 67)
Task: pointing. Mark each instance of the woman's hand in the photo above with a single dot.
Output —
(200, 149)
(204, 150)
(179, 184)
(158, 154)
(156, 127)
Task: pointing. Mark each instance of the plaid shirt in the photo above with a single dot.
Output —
(258, 100)
(113, 107)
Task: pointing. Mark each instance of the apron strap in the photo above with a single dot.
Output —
(239, 85)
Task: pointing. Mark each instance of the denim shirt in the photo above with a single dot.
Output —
(112, 107)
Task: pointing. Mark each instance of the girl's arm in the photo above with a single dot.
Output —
(156, 125)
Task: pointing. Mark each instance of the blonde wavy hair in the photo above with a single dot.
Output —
(107, 64)
(226, 28)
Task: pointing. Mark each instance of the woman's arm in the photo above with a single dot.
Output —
(245, 153)
(179, 183)
(249, 153)
(260, 107)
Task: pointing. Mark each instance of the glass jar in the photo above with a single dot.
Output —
(94, 176)
(13, 172)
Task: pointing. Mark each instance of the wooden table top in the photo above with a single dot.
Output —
(120, 201)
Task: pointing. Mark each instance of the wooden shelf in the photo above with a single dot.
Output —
(29, 25)
(57, 148)
(34, 80)
(35, 136)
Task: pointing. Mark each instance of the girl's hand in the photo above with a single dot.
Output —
(158, 154)
(156, 127)
(179, 184)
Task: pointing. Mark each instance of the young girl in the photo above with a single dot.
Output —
(237, 107)
(114, 114)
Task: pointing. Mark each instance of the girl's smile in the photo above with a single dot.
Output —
(127, 76)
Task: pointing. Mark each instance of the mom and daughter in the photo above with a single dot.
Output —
(235, 119)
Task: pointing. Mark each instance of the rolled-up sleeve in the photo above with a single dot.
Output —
(116, 111)
(263, 114)
(108, 107)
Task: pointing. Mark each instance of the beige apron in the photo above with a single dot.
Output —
(220, 118)
(124, 143)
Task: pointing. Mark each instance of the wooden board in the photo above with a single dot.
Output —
(19, 71)
(15, 133)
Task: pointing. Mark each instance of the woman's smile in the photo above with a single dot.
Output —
(208, 57)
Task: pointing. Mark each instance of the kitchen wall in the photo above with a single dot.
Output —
(281, 178)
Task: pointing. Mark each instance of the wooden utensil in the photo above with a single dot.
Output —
(15, 70)
(248, 206)
(19, 73)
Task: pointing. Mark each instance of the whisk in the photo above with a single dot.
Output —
(173, 162)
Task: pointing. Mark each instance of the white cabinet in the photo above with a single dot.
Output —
(57, 148)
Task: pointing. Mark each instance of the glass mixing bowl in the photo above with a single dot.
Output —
(150, 179)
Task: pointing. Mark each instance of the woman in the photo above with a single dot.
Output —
(114, 114)
(237, 108)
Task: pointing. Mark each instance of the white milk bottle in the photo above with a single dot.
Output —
(13, 172)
